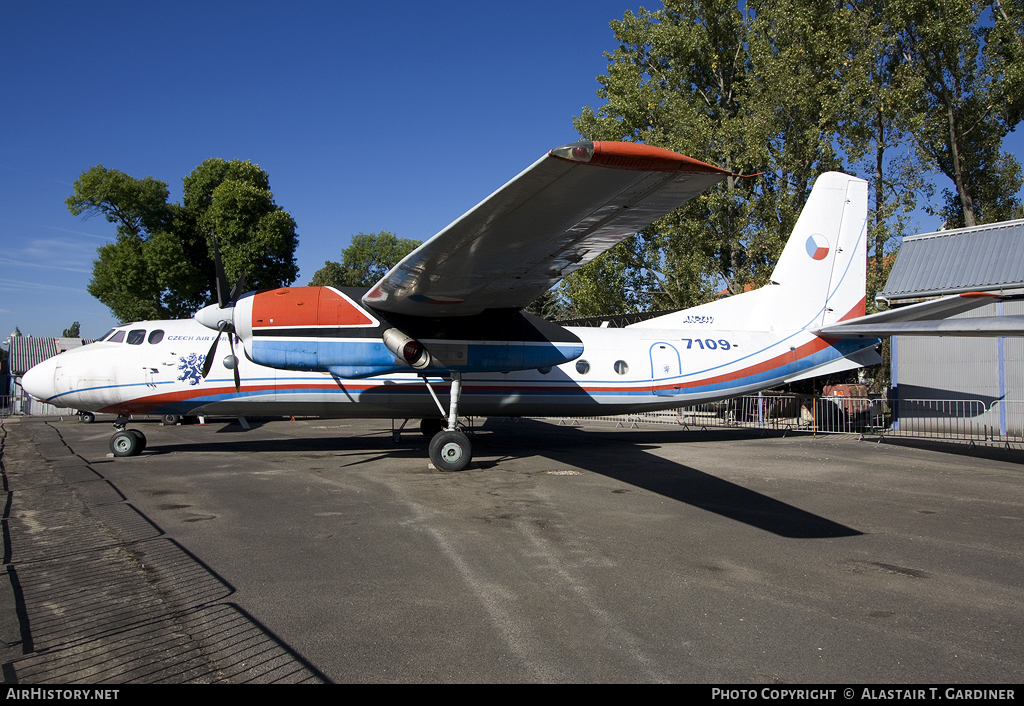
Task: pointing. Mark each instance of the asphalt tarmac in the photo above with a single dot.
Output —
(320, 550)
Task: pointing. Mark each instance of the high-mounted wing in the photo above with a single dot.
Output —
(569, 207)
(929, 319)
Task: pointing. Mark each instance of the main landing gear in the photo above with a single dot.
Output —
(450, 449)
(126, 442)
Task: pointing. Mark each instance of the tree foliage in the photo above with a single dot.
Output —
(365, 260)
(961, 52)
(161, 263)
(790, 89)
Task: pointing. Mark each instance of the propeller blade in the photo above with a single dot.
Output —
(238, 289)
(238, 380)
(222, 280)
(208, 363)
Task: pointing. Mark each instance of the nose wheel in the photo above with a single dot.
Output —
(127, 442)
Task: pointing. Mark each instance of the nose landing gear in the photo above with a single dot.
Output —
(126, 442)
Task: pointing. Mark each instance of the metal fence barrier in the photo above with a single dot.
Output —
(24, 404)
(1001, 422)
(962, 420)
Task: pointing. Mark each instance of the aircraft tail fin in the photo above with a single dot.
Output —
(819, 279)
(823, 267)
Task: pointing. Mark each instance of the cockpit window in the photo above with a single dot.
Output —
(117, 337)
(136, 336)
(104, 336)
(156, 336)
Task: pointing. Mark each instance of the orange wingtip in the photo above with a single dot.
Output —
(633, 156)
(972, 295)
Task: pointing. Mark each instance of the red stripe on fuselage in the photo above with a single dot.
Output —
(143, 404)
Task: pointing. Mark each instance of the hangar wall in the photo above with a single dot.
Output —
(945, 381)
(976, 379)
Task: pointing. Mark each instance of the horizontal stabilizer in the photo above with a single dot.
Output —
(929, 319)
(985, 326)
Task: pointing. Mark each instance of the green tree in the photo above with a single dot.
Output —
(676, 81)
(364, 261)
(72, 331)
(878, 119)
(885, 89)
(705, 78)
(550, 306)
(970, 95)
(137, 206)
(161, 263)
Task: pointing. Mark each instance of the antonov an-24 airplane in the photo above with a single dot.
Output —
(446, 323)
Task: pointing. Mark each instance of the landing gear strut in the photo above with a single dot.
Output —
(450, 449)
(126, 442)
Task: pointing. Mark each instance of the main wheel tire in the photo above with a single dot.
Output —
(86, 417)
(169, 420)
(125, 443)
(450, 451)
(142, 440)
(432, 426)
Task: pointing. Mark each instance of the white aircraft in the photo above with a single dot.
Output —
(446, 322)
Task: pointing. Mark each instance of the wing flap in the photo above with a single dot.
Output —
(551, 219)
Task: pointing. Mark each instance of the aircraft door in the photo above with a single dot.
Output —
(665, 368)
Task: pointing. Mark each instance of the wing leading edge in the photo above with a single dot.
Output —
(570, 206)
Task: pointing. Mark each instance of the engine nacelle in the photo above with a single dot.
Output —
(322, 329)
(312, 328)
(406, 348)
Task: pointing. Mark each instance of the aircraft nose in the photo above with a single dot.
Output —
(39, 381)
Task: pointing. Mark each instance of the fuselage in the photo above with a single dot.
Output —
(154, 368)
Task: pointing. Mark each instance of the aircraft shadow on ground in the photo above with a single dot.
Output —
(621, 455)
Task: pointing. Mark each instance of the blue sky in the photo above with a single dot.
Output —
(367, 116)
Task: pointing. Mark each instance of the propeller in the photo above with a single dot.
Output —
(221, 317)
(222, 281)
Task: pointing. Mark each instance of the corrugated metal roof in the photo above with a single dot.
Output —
(27, 351)
(983, 258)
